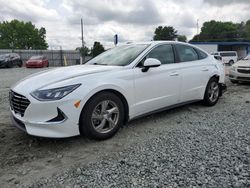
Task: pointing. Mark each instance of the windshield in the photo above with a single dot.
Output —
(36, 57)
(4, 56)
(247, 57)
(119, 56)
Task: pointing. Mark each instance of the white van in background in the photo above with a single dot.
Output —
(228, 57)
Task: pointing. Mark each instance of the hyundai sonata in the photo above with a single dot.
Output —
(121, 84)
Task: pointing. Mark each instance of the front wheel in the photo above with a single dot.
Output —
(212, 92)
(20, 63)
(10, 64)
(102, 116)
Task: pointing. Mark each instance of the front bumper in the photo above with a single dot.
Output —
(19, 124)
(48, 130)
(235, 75)
(52, 119)
(34, 65)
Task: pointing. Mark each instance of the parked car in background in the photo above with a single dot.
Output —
(228, 57)
(37, 62)
(126, 82)
(10, 60)
(240, 71)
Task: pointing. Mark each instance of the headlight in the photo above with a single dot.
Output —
(233, 68)
(53, 94)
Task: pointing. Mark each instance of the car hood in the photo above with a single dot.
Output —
(45, 78)
(243, 63)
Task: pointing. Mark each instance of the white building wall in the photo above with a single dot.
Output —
(241, 51)
(209, 48)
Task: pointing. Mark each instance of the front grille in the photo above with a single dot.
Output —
(18, 103)
(243, 67)
(243, 78)
(245, 71)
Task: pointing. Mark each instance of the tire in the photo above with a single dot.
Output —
(231, 62)
(212, 92)
(234, 81)
(95, 120)
(20, 63)
(10, 64)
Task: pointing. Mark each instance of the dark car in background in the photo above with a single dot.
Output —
(37, 62)
(10, 60)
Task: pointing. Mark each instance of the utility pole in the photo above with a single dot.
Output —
(61, 56)
(197, 24)
(198, 38)
(115, 39)
(83, 49)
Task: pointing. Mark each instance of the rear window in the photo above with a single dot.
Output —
(201, 54)
(227, 54)
(186, 53)
(36, 57)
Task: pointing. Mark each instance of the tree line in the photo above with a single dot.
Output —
(223, 31)
(24, 35)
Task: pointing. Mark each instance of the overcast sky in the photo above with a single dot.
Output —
(132, 20)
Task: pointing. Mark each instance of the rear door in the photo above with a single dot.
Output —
(194, 67)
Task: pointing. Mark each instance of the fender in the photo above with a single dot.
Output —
(127, 96)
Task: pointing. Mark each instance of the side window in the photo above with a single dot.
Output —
(163, 53)
(227, 54)
(186, 53)
(201, 54)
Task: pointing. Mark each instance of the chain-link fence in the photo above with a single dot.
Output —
(55, 57)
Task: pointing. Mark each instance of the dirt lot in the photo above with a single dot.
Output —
(24, 159)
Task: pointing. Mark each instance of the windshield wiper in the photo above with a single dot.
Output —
(99, 64)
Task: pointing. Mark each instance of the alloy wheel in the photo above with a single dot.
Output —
(105, 116)
(213, 92)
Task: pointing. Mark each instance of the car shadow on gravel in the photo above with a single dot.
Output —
(18, 147)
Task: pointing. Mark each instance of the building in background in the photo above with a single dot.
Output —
(242, 48)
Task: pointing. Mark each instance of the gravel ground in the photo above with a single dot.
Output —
(191, 146)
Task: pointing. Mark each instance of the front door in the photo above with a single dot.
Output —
(159, 86)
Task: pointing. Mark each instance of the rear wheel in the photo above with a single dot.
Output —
(212, 92)
(102, 116)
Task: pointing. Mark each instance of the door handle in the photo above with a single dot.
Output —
(174, 74)
(205, 69)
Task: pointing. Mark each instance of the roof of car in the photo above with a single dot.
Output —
(153, 43)
(158, 42)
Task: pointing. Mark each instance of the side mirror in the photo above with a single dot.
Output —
(150, 62)
(218, 57)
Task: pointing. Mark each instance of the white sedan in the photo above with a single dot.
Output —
(240, 71)
(121, 84)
